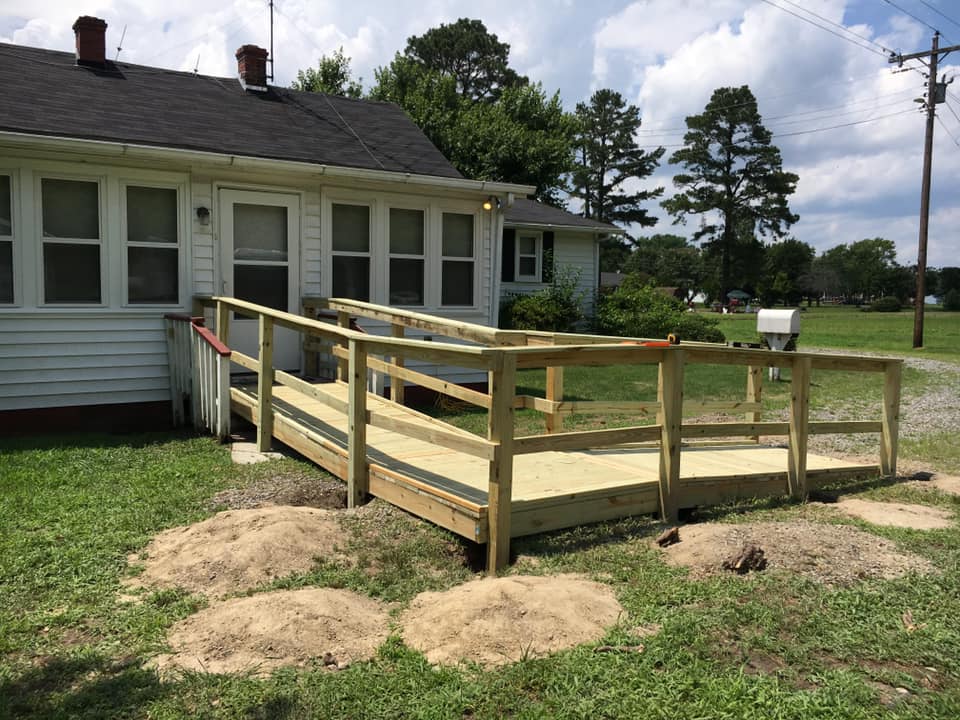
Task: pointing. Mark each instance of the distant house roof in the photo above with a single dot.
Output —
(531, 212)
(46, 93)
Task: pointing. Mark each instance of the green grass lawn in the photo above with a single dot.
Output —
(72, 508)
(766, 646)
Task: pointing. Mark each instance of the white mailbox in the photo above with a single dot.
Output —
(778, 327)
(780, 322)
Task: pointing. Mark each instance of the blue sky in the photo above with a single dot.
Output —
(666, 56)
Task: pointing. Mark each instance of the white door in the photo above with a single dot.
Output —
(260, 240)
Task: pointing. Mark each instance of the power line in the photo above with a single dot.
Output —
(838, 25)
(825, 29)
(940, 13)
(950, 108)
(907, 12)
(947, 131)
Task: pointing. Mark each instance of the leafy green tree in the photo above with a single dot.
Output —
(786, 276)
(608, 161)
(332, 76)
(867, 269)
(638, 310)
(948, 278)
(491, 124)
(733, 178)
(668, 261)
(472, 56)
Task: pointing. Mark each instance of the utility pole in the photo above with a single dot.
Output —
(936, 93)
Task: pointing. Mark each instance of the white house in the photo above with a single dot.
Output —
(539, 238)
(126, 190)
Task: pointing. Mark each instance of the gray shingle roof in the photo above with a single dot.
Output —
(46, 93)
(531, 212)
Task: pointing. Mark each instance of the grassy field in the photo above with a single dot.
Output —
(769, 645)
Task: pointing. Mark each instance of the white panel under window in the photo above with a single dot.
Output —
(71, 209)
(260, 232)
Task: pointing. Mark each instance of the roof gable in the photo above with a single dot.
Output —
(47, 93)
(531, 212)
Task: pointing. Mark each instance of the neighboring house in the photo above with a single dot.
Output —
(127, 190)
(538, 239)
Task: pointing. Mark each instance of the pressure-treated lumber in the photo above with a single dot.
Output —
(891, 418)
(584, 440)
(554, 393)
(357, 429)
(500, 481)
(343, 321)
(754, 396)
(396, 382)
(670, 395)
(265, 385)
(799, 418)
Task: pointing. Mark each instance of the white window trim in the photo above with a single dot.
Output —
(14, 237)
(475, 259)
(537, 256)
(373, 295)
(125, 244)
(100, 242)
(424, 257)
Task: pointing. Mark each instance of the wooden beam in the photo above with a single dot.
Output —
(554, 394)
(503, 379)
(586, 355)
(733, 429)
(265, 385)
(343, 321)
(890, 432)
(245, 361)
(670, 416)
(396, 382)
(448, 438)
(844, 427)
(754, 396)
(317, 392)
(357, 480)
(223, 323)
(585, 440)
(799, 420)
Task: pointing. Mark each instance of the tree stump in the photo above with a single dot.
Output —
(749, 558)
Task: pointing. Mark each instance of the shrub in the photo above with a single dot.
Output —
(636, 310)
(556, 308)
(951, 300)
(887, 303)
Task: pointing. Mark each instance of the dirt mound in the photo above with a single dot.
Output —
(917, 517)
(239, 549)
(256, 634)
(284, 489)
(831, 554)
(495, 621)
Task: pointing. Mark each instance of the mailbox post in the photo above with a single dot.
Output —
(778, 327)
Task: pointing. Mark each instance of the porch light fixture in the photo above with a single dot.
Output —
(203, 215)
(491, 202)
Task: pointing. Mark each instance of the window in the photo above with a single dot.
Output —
(153, 246)
(6, 240)
(457, 260)
(70, 218)
(528, 257)
(406, 257)
(351, 251)
(261, 255)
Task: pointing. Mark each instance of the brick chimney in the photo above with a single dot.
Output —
(91, 40)
(252, 66)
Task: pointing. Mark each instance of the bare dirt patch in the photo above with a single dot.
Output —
(321, 626)
(831, 554)
(949, 484)
(284, 489)
(236, 550)
(891, 514)
(495, 621)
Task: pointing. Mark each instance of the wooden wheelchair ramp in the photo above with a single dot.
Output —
(551, 490)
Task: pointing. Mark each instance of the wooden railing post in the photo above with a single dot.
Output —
(343, 320)
(265, 385)
(503, 380)
(554, 394)
(223, 396)
(396, 384)
(754, 395)
(890, 432)
(357, 479)
(799, 420)
(670, 418)
(223, 323)
(196, 385)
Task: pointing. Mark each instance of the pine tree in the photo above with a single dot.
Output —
(733, 178)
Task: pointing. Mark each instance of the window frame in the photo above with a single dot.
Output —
(13, 237)
(125, 243)
(372, 295)
(537, 256)
(474, 259)
(100, 242)
(423, 257)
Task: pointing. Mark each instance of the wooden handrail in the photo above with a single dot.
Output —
(212, 340)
